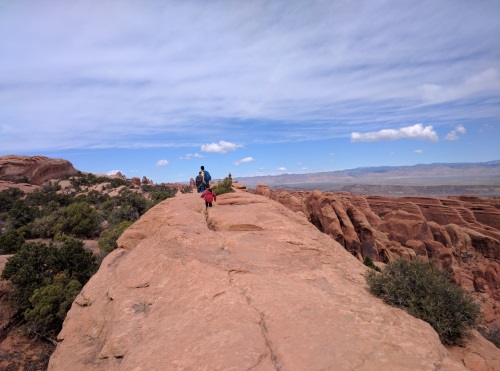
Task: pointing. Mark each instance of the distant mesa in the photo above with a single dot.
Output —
(481, 179)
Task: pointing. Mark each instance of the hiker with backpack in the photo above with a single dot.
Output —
(200, 187)
(209, 196)
(206, 177)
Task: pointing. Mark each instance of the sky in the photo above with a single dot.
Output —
(158, 88)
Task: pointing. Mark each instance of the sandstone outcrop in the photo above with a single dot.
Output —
(145, 180)
(239, 186)
(250, 285)
(136, 181)
(37, 169)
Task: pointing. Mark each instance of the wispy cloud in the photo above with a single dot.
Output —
(417, 131)
(135, 76)
(221, 147)
(453, 135)
(189, 156)
(162, 163)
(418, 151)
(282, 168)
(484, 81)
(243, 161)
(113, 172)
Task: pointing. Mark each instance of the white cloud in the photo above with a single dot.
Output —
(417, 131)
(452, 135)
(221, 147)
(113, 172)
(243, 161)
(282, 168)
(162, 163)
(189, 156)
(418, 151)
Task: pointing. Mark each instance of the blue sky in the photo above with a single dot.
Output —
(158, 88)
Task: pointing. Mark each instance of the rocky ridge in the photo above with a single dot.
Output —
(248, 285)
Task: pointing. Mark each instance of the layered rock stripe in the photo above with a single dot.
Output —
(251, 285)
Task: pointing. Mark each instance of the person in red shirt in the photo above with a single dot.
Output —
(209, 196)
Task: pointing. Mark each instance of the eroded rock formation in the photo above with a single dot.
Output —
(37, 169)
(250, 285)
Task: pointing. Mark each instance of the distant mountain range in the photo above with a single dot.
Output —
(482, 178)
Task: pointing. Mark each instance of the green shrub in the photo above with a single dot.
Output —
(75, 260)
(186, 189)
(81, 220)
(428, 294)
(370, 264)
(136, 200)
(24, 179)
(78, 220)
(224, 187)
(46, 280)
(11, 242)
(107, 240)
(47, 226)
(8, 197)
(49, 192)
(49, 306)
(94, 198)
(21, 214)
(161, 193)
(33, 266)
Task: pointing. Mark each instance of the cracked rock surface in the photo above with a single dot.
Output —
(249, 286)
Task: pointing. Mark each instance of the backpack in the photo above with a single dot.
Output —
(209, 197)
(199, 180)
(207, 176)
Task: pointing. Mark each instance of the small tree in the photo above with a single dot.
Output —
(8, 197)
(21, 214)
(11, 242)
(49, 306)
(36, 264)
(370, 264)
(76, 261)
(160, 193)
(224, 187)
(33, 266)
(81, 220)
